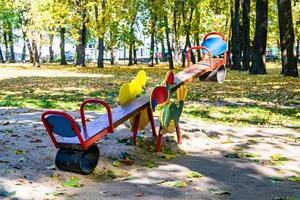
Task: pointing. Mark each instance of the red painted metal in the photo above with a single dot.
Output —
(215, 34)
(212, 65)
(150, 116)
(203, 55)
(73, 124)
(159, 140)
(136, 127)
(178, 134)
(109, 113)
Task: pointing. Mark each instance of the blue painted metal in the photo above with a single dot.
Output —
(61, 126)
(217, 46)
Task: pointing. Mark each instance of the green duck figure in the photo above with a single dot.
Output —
(171, 111)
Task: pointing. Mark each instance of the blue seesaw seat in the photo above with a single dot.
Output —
(217, 46)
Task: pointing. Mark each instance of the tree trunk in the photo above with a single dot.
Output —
(36, 59)
(62, 46)
(100, 61)
(298, 50)
(40, 47)
(258, 65)
(11, 45)
(287, 38)
(51, 53)
(112, 56)
(134, 54)
(152, 43)
(130, 61)
(187, 35)
(7, 56)
(170, 56)
(80, 47)
(236, 50)
(198, 44)
(1, 56)
(23, 58)
(26, 39)
(246, 35)
(163, 56)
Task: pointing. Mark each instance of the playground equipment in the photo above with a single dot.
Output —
(171, 112)
(76, 143)
(214, 56)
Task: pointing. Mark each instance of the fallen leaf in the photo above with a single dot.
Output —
(116, 163)
(35, 141)
(6, 123)
(222, 192)
(279, 157)
(197, 188)
(56, 194)
(19, 151)
(139, 194)
(73, 182)
(286, 198)
(4, 193)
(294, 178)
(51, 167)
(193, 174)
(177, 184)
(151, 164)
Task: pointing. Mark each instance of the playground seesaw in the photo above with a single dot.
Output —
(76, 143)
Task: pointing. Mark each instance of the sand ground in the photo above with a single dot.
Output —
(27, 157)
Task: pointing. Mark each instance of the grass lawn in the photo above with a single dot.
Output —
(243, 99)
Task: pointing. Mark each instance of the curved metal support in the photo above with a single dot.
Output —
(221, 35)
(67, 116)
(108, 109)
(197, 48)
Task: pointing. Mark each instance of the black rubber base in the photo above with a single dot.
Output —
(79, 161)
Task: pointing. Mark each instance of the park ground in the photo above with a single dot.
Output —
(241, 139)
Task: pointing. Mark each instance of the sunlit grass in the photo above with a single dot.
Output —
(270, 99)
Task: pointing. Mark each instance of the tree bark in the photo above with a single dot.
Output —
(258, 65)
(152, 43)
(62, 46)
(246, 35)
(11, 45)
(1, 56)
(100, 61)
(236, 40)
(287, 38)
(163, 56)
(187, 36)
(80, 47)
(130, 61)
(298, 49)
(26, 39)
(23, 57)
(7, 56)
(112, 56)
(36, 59)
(170, 56)
(134, 54)
(51, 53)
